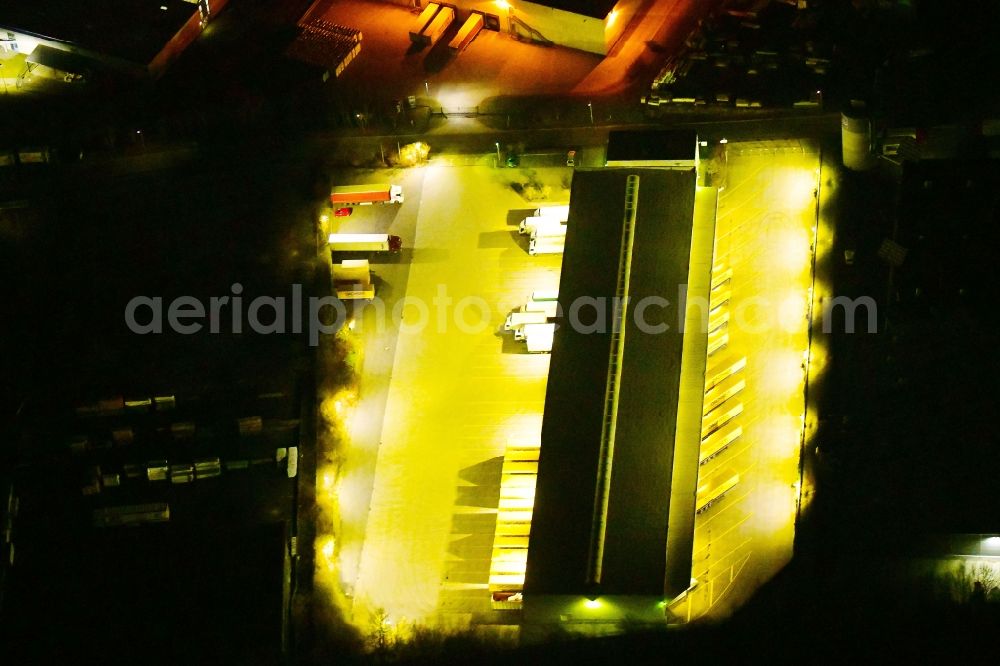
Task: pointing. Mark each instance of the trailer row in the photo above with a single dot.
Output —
(430, 25)
(513, 525)
(533, 324)
(725, 381)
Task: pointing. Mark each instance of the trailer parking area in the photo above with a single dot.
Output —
(459, 389)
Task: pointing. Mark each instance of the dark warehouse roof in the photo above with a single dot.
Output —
(638, 506)
(647, 145)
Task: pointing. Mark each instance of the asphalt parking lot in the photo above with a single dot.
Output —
(456, 389)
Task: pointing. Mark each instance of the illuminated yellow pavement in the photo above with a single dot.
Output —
(765, 230)
(454, 398)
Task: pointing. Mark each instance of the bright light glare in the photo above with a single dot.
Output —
(824, 240)
(503, 4)
(327, 551)
(821, 290)
(793, 247)
(783, 374)
(592, 603)
(795, 188)
(818, 356)
(783, 434)
(792, 313)
(775, 510)
(336, 410)
(414, 153)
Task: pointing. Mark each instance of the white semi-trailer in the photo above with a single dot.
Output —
(550, 308)
(551, 229)
(364, 243)
(542, 225)
(540, 295)
(538, 337)
(547, 245)
(558, 212)
(352, 279)
(516, 320)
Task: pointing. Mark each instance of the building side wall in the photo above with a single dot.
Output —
(544, 613)
(189, 31)
(690, 398)
(561, 27)
(564, 28)
(180, 41)
(27, 43)
(618, 20)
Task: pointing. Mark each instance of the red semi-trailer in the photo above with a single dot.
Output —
(362, 195)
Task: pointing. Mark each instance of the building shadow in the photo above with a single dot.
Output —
(496, 240)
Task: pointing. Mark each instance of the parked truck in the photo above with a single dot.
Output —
(517, 319)
(364, 195)
(538, 337)
(525, 331)
(544, 216)
(551, 228)
(546, 245)
(542, 295)
(364, 243)
(543, 227)
(550, 308)
(530, 224)
(352, 279)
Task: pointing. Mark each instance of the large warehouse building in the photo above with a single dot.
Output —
(616, 489)
(665, 484)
